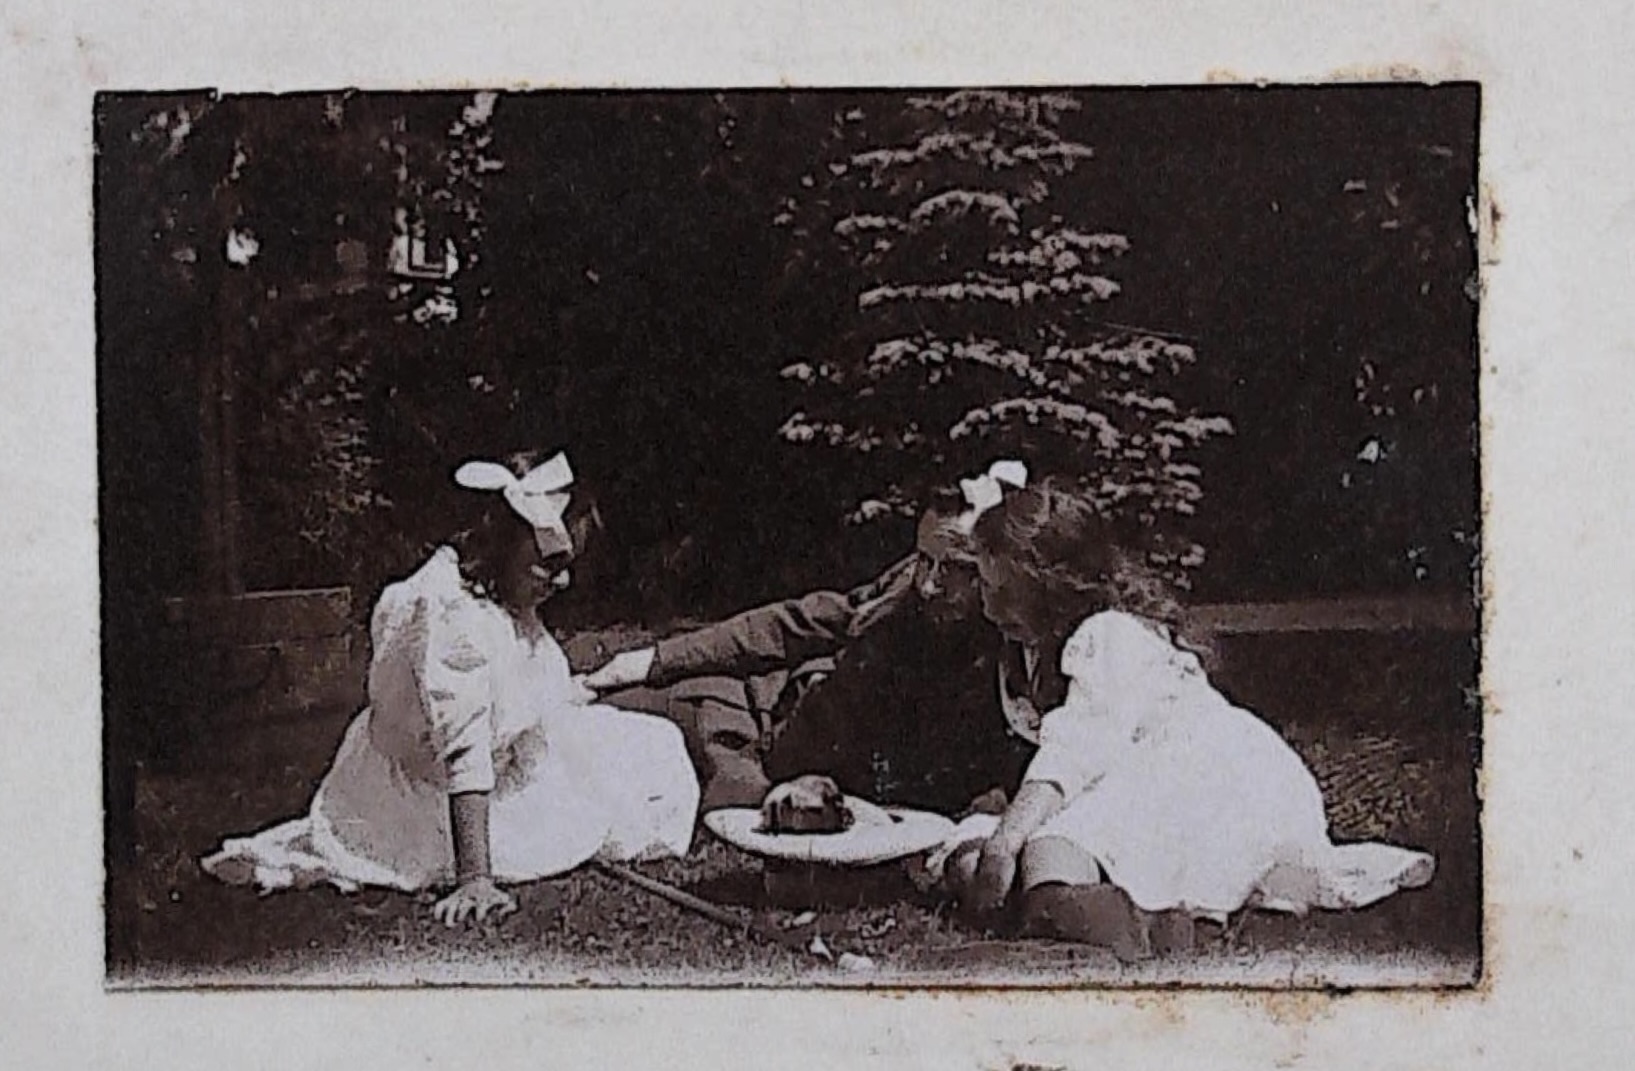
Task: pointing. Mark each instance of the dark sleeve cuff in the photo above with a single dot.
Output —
(676, 659)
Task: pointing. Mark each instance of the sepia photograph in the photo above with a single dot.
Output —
(962, 537)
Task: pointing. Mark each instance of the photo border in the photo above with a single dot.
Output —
(1554, 226)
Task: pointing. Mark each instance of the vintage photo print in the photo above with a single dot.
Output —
(539, 535)
(973, 535)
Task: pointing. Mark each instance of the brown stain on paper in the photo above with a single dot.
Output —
(1489, 216)
(1352, 74)
(91, 66)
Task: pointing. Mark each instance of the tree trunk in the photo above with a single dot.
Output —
(218, 424)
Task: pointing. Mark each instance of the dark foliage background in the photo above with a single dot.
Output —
(639, 270)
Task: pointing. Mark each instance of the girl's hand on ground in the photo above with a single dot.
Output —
(475, 900)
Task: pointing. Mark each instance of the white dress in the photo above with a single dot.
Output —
(1185, 800)
(460, 702)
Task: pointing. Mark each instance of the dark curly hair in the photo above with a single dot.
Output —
(1064, 559)
(492, 529)
(898, 591)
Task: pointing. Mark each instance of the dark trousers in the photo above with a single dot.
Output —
(725, 723)
(745, 736)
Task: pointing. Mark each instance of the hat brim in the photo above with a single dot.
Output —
(879, 835)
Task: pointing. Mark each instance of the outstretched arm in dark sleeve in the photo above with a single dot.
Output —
(779, 635)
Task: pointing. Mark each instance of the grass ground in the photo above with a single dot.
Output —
(1386, 723)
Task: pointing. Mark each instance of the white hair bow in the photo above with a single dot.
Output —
(541, 497)
(982, 493)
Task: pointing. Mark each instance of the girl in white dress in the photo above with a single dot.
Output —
(1149, 788)
(478, 760)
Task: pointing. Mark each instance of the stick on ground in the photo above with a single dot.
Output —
(720, 915)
